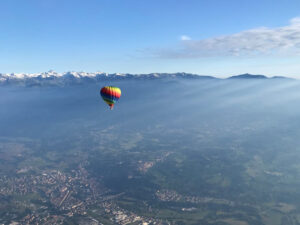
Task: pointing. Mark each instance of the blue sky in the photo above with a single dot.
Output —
(209, 37)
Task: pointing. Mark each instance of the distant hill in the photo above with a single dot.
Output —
(248, 76)
(282, 77)
(252, 76)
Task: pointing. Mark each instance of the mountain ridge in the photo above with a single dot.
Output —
(53, 78)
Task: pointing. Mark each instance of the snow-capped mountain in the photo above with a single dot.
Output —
(54, 78)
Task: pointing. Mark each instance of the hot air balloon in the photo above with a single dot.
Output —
(110, 95)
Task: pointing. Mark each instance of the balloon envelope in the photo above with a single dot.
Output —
(110, 95)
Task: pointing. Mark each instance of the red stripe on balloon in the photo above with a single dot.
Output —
(109, 91)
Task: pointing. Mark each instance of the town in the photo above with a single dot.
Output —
(53, 196)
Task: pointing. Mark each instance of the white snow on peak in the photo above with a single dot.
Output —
(55, 78)
(48, 74)
(52, 74)
(120, 74)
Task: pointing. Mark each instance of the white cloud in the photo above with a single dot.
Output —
(185, 38)
(259, 41)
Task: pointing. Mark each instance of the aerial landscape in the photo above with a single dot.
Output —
(149, 112)
(196, 156)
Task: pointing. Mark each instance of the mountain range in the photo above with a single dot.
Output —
(54, 78)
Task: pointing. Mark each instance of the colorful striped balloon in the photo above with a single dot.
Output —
(110, 95)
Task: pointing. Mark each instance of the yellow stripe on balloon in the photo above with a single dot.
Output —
(118, 90)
